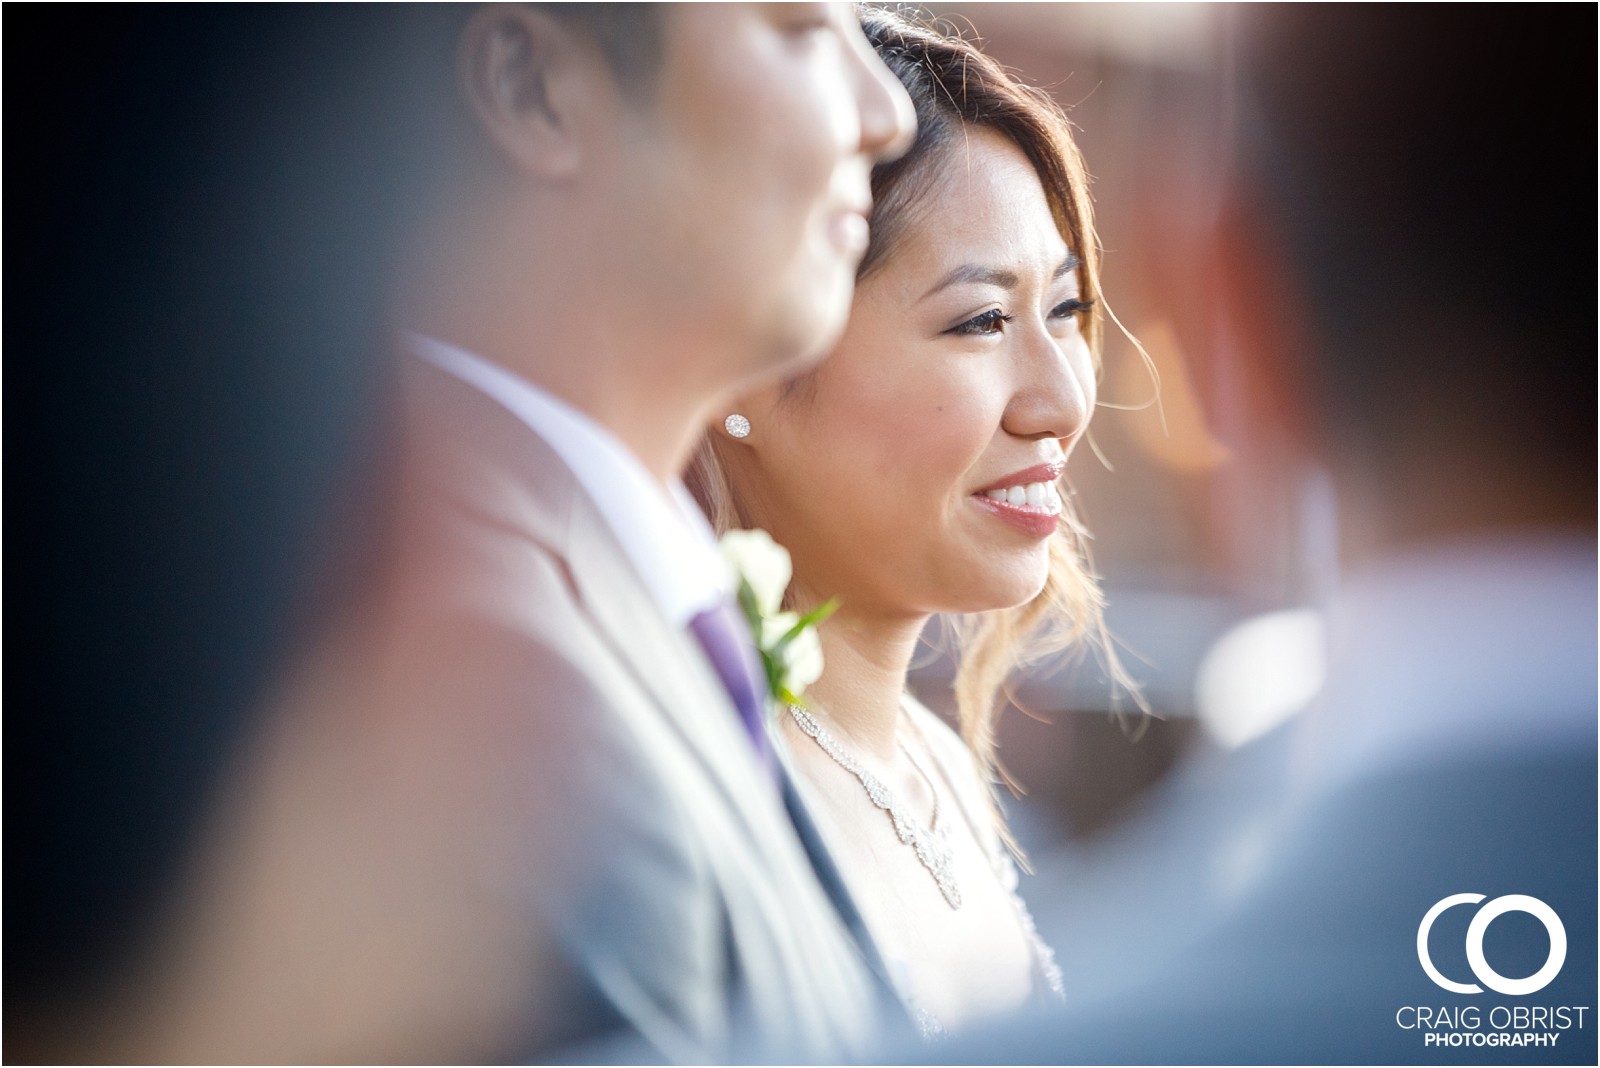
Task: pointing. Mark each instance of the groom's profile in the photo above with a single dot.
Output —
(553, 791)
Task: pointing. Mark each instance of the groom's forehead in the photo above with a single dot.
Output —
(705, 41)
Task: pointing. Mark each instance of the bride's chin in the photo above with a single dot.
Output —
(1005, 588)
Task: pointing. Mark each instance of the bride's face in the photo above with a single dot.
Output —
(962, 379)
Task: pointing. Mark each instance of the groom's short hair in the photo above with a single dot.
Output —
(629, 36)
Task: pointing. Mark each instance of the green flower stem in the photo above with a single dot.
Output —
(772, 658)
(810, 619)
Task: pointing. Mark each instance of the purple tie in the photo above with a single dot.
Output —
(726, 639)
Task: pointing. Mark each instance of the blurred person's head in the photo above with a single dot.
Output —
(1413, 256)
(657, 203)
(919, 469)
(193, 370)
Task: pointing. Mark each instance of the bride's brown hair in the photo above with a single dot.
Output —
(955, 86)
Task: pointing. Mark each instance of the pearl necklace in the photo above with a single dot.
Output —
(932, 844)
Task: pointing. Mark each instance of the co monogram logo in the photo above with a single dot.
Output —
(1475, 930)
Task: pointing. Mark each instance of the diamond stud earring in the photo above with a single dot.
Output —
(737, 425)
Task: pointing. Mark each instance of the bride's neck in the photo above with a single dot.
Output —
(866, 663)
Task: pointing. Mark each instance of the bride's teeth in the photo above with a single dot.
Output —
(1032, 495)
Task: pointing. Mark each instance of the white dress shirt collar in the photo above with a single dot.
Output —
(662, 532)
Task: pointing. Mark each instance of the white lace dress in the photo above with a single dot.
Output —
(1047, 983)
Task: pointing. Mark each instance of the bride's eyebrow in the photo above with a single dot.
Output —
(974, 274)
(977, 274)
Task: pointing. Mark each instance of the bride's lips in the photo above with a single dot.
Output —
(1026, 499)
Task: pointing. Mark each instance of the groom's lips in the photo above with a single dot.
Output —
(849, 224)
(850, 231)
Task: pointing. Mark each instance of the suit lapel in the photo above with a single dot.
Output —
(672, 664)
(496, 468)
(665, 660)
(500, 471)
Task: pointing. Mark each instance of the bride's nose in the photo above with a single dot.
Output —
(1050, 398)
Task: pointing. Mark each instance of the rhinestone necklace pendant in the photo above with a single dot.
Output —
(931, 844)
(934, 850)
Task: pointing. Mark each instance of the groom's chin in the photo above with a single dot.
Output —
(807, 324)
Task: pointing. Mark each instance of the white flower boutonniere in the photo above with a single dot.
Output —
(791, 653)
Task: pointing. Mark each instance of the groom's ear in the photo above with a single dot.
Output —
(533, 83)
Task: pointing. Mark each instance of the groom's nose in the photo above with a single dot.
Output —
(888, 120)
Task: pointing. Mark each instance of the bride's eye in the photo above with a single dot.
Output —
(987, 323)
(803, 19)
(1068, 308)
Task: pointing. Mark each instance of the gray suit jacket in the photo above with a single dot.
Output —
(632, 846)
